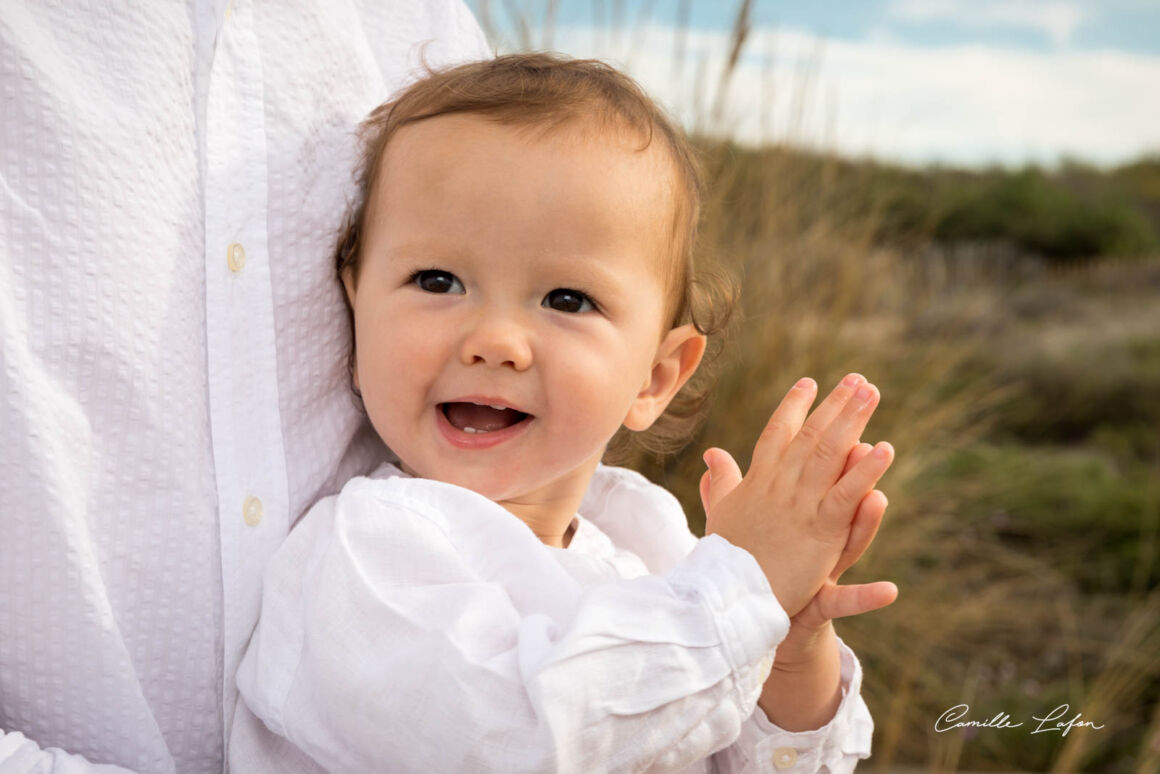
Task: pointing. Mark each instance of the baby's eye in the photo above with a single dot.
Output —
(565, 300)
(437, 281)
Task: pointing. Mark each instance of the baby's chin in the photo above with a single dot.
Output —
(484, 482)
(504, 487)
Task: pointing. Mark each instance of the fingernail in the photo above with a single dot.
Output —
(863, 394)
(852, 380)
(882, 450)
(804, 383)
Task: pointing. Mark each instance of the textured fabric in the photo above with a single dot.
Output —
(410, 625)
(169, 404)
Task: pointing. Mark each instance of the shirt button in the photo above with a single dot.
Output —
(784, 757)
(252, 510)
(236, 257)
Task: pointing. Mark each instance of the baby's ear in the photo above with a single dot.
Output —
(678, 356)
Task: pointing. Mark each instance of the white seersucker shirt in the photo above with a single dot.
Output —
(414, 626)
(173, 389)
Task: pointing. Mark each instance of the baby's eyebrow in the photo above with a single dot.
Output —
(426, 250)
(592, 274)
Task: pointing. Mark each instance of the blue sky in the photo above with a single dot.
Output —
(1127, 25)
(967, 82)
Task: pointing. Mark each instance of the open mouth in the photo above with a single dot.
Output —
(476, 418)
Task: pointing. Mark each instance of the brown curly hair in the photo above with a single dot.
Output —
(546, 91)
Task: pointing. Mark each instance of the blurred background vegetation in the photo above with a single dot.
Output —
(1011, 318)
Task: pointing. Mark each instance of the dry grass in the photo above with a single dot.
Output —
(980, 620)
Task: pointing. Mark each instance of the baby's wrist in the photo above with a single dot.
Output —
(804, 648)
(805, 694)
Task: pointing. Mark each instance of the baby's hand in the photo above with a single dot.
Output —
(834, 601)
(794, 508)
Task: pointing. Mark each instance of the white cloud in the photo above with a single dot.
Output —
(960, 104)
(1056, 19)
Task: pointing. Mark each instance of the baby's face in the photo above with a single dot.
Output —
(509, 304)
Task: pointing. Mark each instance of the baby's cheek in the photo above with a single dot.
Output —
(605, 410)
(576, 429)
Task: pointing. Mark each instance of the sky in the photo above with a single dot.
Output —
(958, 82)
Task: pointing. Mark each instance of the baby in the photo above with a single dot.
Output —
(524, 302)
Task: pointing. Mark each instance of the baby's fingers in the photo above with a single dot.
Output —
(862, 531)
(721, 478)
(783, 425)
(815, 430)
(823, 463)
(843, 601)
(840, 504)
(855, 456)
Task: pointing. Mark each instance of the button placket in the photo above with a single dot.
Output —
(245, 426)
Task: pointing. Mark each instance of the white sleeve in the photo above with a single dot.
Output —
(648, 520)
(406, 625)
(836, 747)
(21, 755)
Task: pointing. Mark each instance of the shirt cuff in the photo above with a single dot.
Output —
(750, 621)
(838, 745)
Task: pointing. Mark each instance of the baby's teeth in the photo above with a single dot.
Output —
(470, 430)
(498, 408)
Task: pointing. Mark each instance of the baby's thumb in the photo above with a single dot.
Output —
(856, 599)
(720, 479)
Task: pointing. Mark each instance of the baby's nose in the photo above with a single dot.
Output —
(498, 342)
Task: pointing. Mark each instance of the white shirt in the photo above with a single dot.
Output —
(410, 625)
(171, 403)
